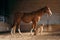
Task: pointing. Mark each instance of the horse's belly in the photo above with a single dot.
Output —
(27, 19)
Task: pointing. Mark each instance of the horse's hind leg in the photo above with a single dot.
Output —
(41, 29)
(19, 28)
(13, 29)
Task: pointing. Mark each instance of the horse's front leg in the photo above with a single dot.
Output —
(34, 28)
(41, 29)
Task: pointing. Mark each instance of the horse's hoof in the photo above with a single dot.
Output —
(19, 33)
(31, 34)
(34, 34)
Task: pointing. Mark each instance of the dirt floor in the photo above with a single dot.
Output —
(28, 36)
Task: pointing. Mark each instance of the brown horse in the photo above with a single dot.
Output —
(33, 17)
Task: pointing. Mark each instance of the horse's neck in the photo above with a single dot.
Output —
(41, 13)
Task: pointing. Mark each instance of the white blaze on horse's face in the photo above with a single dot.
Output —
(50, 12)
(31, 22)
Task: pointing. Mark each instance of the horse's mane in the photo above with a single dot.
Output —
(41, 9)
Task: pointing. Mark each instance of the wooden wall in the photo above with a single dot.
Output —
(33, 5)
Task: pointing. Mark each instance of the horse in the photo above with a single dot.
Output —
(33, 17)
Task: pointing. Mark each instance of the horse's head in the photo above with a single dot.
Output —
(47, 10)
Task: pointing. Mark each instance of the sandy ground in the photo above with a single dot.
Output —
(27, 36)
